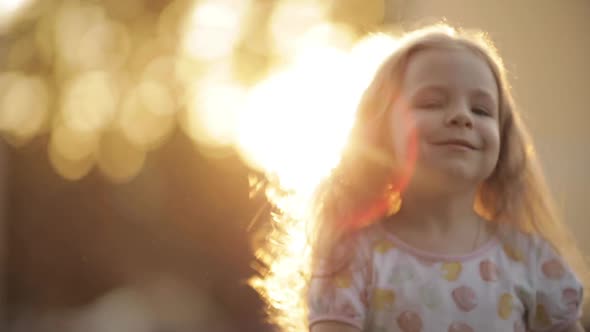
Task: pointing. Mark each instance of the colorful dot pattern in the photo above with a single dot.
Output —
(517, 285)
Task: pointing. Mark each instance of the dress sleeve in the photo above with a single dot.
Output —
(556, 299)
(341, 296)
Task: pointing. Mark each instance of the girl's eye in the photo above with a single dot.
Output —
(480, 111)
(431, 104)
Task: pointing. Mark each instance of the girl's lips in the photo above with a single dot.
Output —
(457, 143)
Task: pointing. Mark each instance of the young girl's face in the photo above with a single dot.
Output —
(448, 112)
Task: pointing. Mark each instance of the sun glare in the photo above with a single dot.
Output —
(294, 128)
(295, 123)
(10, 10)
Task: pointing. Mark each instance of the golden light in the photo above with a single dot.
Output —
(359, 13)
(170, 22)
(291, 20)
(322, 35)
(125, 10)
(212, 29)
(367, 55)
(161, 69)
(185, 70)
(86, 38)
(67, 168)
(45, 37)
(10, 10)
(104, 45)
(147, 115)
(119, 159)
(293, 129)
(72, 22)
(71, 144)
(22, 53)
(24, 104)
(295, 123)
(212, 109)
(8, 7)
(144, 53)
(89, 101)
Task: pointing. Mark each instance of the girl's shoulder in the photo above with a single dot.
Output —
(524, 246)
(553, 293)
(372, 235)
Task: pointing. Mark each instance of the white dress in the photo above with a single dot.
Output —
(515, 285)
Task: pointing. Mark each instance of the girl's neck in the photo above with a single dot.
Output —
(438, 212)
(445, 224)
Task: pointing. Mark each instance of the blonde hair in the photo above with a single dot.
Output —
(356, 193)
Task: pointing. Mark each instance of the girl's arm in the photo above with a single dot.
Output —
(341, 327)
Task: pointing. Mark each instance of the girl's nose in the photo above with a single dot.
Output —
(460, 116)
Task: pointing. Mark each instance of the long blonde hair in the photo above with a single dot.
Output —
(358, 191)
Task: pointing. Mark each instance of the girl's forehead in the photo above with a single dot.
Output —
(449, 68)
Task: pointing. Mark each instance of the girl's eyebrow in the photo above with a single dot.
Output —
(439, 88)
(479, 92)
(428, 88)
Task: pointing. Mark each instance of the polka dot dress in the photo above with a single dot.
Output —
(505, 285)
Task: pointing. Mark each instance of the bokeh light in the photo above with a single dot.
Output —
(73, 144)
(338, 36)
(70, 169)
(147, 115)
(212, 29)
(90, 101)
(119, 159)
(212, 105)
(169, 28)
(24, 103)
(277, 83)
(45, 37)
(124, 67)
(72, 22)
(125, 10)
(291, 20)
(105, 45)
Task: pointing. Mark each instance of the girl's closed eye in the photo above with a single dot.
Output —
(481, 110)
(430, 98)
(430, 104)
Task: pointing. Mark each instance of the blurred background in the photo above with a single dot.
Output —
(136, 133)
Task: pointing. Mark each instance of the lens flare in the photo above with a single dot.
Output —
(293, 128)
(295, 123)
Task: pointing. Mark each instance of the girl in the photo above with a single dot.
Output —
(437, 218)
